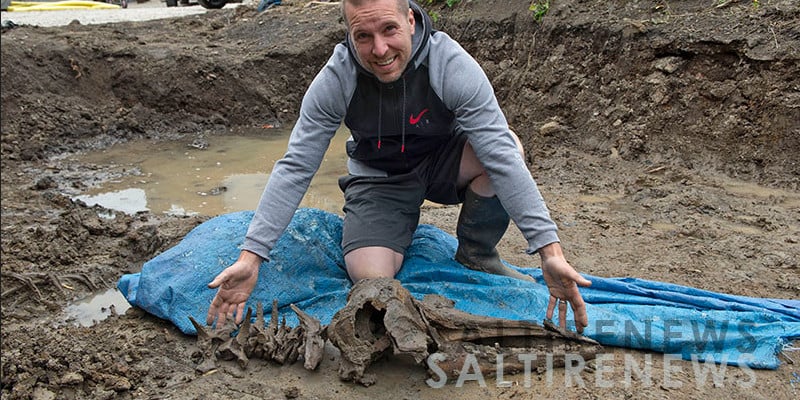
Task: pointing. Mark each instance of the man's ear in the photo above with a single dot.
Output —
(411, 20)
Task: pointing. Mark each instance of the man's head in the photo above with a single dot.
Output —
(381, 32)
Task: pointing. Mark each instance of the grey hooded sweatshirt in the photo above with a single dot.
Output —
(443, 92)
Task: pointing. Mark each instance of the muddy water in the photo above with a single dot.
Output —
(95, 308)
(181, 177)
(217, 175)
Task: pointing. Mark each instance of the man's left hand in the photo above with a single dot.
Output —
(563, 282)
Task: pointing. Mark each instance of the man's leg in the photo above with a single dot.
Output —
(380, 217)
(482, 221)
(372, 262)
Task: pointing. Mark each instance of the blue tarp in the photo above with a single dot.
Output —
(307, 269)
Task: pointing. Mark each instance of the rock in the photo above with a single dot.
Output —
(40, 393)
(551, 128)
(71, 378)
(669, 64)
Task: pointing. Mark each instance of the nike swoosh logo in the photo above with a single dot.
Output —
(413, 120)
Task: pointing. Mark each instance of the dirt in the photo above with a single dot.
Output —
(664, 135)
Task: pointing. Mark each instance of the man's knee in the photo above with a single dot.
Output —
(472, 172)
(372, 262)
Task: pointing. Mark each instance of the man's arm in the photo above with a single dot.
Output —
(464, 87)
(321, 112)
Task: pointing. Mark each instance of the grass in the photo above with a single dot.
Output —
(448, 3)
(539, 9)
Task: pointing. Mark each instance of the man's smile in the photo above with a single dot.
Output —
(385, 62)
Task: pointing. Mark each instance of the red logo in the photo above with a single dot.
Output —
(414, 120)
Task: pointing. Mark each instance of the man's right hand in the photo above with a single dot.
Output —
(235, 284)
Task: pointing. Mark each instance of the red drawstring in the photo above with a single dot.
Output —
(379, 144)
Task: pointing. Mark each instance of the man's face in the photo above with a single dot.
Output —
(382, 37)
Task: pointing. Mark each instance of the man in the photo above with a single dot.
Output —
(425, 124)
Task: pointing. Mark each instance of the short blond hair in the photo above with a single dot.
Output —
(402, 7)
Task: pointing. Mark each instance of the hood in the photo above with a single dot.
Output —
(419, 42)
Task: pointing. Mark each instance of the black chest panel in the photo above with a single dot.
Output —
(396, 125)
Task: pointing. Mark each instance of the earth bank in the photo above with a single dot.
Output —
(664, 136)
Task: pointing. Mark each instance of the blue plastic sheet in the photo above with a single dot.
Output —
(307, 269)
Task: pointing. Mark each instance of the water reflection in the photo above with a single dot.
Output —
(96, 308)
(129, 201)
(227, 174)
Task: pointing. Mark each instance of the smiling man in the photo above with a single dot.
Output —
(425, 124)
(381, 36)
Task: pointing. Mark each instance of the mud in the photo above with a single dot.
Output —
(664, 136)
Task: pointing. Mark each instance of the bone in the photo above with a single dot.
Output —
(314, 340)
(275, 342)
(380, 317)
(380, 314)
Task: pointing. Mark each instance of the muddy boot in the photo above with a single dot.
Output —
(481, 224)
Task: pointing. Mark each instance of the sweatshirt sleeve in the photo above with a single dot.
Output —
(321, 112)
(463, 86)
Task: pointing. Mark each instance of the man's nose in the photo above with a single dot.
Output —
(379, 46)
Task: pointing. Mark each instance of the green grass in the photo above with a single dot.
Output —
(539, 9)
(449, 3)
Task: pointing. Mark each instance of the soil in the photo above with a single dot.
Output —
(665, 137)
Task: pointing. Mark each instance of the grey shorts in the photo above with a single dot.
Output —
(384, 211)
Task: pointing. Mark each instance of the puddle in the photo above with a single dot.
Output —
(96, 308)
(129, 201)
(227, 176)
(173, 177)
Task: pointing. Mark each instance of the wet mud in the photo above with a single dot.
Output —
(664, 137)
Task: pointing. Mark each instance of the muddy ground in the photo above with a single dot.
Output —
(665, 137)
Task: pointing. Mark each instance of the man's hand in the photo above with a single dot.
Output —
(235, 284)
(563, 282)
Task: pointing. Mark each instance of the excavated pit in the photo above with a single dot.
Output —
(663, 135)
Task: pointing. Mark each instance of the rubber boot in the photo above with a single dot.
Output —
(481, 224)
